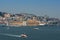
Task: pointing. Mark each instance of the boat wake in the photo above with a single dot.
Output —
(11, 35)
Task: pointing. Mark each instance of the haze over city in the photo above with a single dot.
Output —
(37, 7)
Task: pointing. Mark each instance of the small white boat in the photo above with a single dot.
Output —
(36, 28)
(23, 35)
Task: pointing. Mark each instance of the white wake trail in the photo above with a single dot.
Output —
(10, 35)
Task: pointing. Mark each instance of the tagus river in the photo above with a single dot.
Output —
(33, 33)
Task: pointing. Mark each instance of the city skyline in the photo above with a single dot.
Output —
(37, 7)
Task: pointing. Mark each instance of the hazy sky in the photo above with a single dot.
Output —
(38, 7)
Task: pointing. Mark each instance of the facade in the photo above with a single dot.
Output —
(7, 15)
(32, 22)
(17, 23)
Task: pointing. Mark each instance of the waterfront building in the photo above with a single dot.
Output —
(53, 21)
(32, 23)
(17, 23)
(6, 15)
(1, 18)
(42, 23)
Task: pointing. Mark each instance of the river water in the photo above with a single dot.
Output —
(40, 33)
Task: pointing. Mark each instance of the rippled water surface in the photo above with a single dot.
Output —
(41, 33)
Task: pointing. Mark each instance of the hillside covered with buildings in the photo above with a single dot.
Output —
(26, 19)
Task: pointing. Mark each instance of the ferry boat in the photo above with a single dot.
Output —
(23, 35)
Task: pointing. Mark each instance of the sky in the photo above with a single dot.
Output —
(37, 7)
